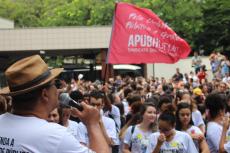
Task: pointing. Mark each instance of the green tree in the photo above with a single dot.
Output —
(70, 13)
(203, 23)
(216, 29)
(25, 13)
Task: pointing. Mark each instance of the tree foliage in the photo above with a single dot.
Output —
(203, 23)
(216, 29)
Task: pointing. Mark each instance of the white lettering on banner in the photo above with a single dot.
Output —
(165, 35)
(157, 24)
(142, 26)
(135, 16)
(142, 43)
(137, 26)
(142, 50)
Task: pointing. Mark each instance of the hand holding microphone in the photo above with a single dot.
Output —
(66, 100)
(89, 115)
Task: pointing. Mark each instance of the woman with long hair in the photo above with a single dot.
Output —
(184, 123)
(168, 139)
(184, 96)
(136, 137)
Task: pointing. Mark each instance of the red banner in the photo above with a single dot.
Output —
(140, 36)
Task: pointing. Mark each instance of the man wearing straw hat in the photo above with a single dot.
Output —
(34, 96)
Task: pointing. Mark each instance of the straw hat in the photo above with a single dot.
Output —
(27, 74)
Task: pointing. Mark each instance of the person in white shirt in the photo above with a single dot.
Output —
(224, 145)
(196, 62)
(54, 116)
(107, 125)
(197, 119)
(71, 126)
(215, 105)
(168, 139)
(184, 123)
(112, 111)
(34, 96)
(136, 137)
(127, 93)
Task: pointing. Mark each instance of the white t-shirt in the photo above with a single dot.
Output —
(110, 128)
(72, 128)
(195, 130)
(181, 143)
(227, 145)
(115, 112)
(196, 60)
(197, 118)
(139, 139)
(126, 106)
(34, 135)
(214, 131)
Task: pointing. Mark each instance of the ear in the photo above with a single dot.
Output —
(45, 95)
(221, 113)
(174, 125)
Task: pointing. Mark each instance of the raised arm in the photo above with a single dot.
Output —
(90, 117)
(223, 136)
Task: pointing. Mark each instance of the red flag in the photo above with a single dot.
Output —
(140, 36)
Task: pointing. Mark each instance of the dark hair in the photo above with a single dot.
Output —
(145, 106)
(111, 98)
(3, 105)
(179, 107)
(96, 94)
(28, 100)
(134, 85)
(58, 83)
(198, 99)
(121, 108)
(136, 107)
(127, 91)
(143, 110)
(167, 88)
(76, 95)
(169, 117)
(152, 100)
(215, 102)
(164, 100)
(181, 93)
(133, 99)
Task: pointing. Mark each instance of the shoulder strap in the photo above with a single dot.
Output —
(132, 130)
(112, 117)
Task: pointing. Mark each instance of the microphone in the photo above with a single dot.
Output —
(66, 100)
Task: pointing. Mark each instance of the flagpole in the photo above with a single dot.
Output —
(105, 73)
(110, 41)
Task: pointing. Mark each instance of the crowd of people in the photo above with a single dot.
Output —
(186, 114)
